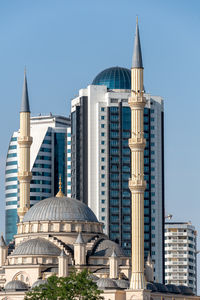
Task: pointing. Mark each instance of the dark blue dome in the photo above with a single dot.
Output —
(114, 78)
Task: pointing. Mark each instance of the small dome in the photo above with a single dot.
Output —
(93, 277)
(36, 247)
(106, 247)
(39, 282)
(151, 287)
(60, 209)
(160, 287)
(16, 285)
(172, 288)
(106, 283)
(185, 290)
(114, 78)
(122, 284)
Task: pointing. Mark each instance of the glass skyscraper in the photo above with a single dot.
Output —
(50, 158)
(101, 124)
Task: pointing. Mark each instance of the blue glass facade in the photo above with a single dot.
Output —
(119, 174)
(59, 160)
(11, 221)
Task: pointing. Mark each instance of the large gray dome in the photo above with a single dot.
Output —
(36, 246)
(60, 209)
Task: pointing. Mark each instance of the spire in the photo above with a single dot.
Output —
(137, 53)
(60, 193)
(79, 239)
(25, 101)
(2, 241)
(62, 253)
(114, 253)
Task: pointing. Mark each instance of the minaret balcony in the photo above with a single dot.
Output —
(136, 185)
(24, 176)
(137, 102)
(24, 140)
(137, 143)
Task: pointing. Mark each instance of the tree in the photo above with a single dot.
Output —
(77, 286)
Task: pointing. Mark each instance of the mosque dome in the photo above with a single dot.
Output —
(185, 290)
(36, 246)
(39, 282)
(114, 78)
(173, 289)
(106, 247)
(122, 283)
(60, 209)
(106, 283)
(16, 285)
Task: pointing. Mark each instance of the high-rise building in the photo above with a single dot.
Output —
(180, 254)
(101, 160)
(50, 158)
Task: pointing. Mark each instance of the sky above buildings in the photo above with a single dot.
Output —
(64, 44)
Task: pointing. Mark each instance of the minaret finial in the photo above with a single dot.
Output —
(25, 99)
(60, 193)
(137, 53)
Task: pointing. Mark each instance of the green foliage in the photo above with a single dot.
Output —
(77, 286)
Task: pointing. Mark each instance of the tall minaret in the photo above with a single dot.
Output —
(136, 183)
(24, 142)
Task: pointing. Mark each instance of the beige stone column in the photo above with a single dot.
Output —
(24, 142)
(136, 183)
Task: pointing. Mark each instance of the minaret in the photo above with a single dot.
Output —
(136, 183)
(24, 142)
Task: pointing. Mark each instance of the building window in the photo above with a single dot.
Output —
(102, 125)
(102, 108)
(102, 117)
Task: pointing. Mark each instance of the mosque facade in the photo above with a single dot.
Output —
(59, 233)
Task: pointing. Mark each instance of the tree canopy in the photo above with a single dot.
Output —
(77, 286)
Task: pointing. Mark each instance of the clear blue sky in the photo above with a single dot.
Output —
(66, 43)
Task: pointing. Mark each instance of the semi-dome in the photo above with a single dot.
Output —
(60, 209)
(114, 78)
(36, 246)
(16, 285)
(106, 247)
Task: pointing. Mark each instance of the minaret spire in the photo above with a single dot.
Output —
(25, 99)
(136, 183)
(24, 142)
(137, 53)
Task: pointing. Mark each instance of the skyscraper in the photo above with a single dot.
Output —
(180, 254)
(49, 158)
(101, 127)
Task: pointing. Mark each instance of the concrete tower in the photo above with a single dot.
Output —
(136, 183)
(24, 142)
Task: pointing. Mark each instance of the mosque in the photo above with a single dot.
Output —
(58, 234)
